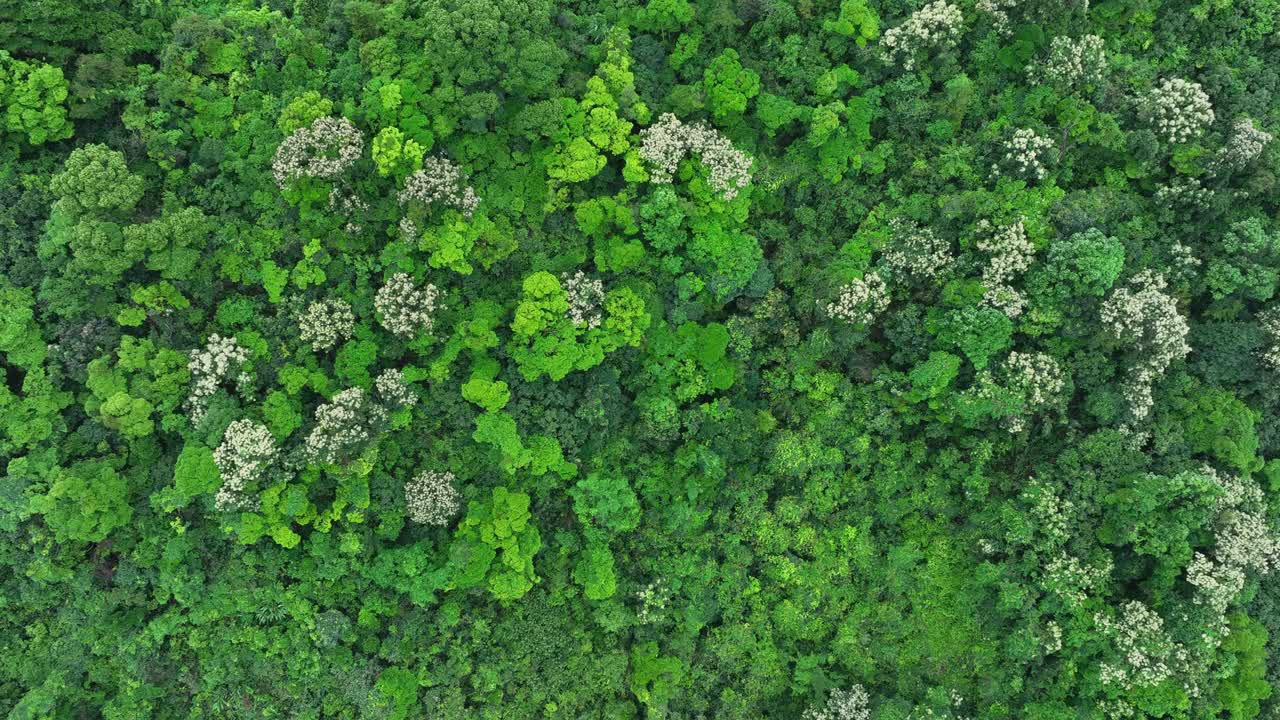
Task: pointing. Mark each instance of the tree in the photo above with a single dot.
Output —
(496, 528)
(729, 85)
(85, 502)
(33, 97)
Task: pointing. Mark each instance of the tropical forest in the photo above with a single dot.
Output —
(639, 359)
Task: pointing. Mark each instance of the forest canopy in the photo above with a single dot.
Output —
(623, 359)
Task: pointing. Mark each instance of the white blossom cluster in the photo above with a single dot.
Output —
(1036, 376)
(1053, 638)
(393, 390)
(915, 252)
(347, 202)
(431, 498)
(936, 25)
(1072, 62)
(324, 149)
(1011, 254)
(861, 301)
(1270, 322)
(665, 143)
(1178, 110)
(408, 228)
(326, 322)
(851, 704)
(440, 181)
(247, 450)
(1149, 656)
(654, 599)
(1024, 155)
(220, 358)
(1216, 584)
(951, 711)
(1245, 143)
(1183, 193)
(343, 425)
(1146, 318)
(999, 12)
(1053, 514)
(1072, 580)
(404, 308)
(1244, 541)
(585, 296)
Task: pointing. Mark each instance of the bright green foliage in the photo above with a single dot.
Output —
(95, 191)
(483, 390)
(29, 411)
(540, 454)
(768, 451)
(397, 690)
(654, 678)
(729, 85)
(605, 503)
(856, 21)
(595, 572)
(544, 340)
(95, 182)
(170, 244)
(144, 380)
(304, 110)
(1245, 262)
(1085, 264)
(1238, 695)
(979, 332)
(690, 361)
(932, 377)
(194, 475)
(20, 339)
(1212, 423)
(33, 97)
(452, 242)
(85, 502)
(664, 15)
(594, 128)
(395, 154)
(494, 546)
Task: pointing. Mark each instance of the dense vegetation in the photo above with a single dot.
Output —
(822, 359)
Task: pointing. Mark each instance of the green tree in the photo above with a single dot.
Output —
(496, 529)
(85, 502)
(729, 85)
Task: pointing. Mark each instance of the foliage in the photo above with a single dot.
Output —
(507, 359)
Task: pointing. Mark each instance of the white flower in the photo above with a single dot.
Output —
(915, 252)
(343, 425)
(1147, 319)
(440, 181)
(431, 498)
(325, 149)
(404, 308)
(247, 450)
(393, 390)
(936, 25)
(326, 322)
(1178, 110)
(1011, 254)
(860, 301)
(585, 296)
(1244, 145)
(220, 359)
(1072, 63)
(851, 704)
(668, 141)
(1024, 155)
